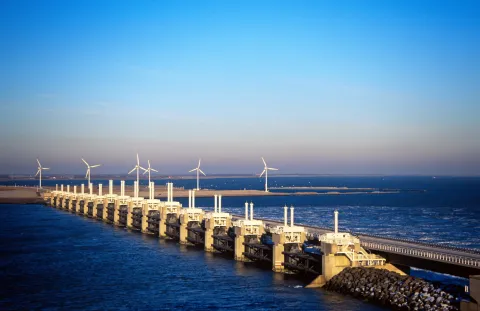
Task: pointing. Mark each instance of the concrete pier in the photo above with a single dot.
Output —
(189, 217)
(168, 210)
(286, 238)
(216, 223)
(121, 203)
(247, 232)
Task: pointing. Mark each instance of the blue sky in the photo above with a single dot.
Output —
(335, 87)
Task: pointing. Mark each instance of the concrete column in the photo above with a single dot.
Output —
(116, 213)
(193, 198)
(130, 215)
(82, 187)
(122, 188)
(215, 204)
(278, 248)
(162, 227)
(144, 218)
(209, 226)
(110, 187)
(105, 209)
(100, 188)
(239, 247)
(183, 228)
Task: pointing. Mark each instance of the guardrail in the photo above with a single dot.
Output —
(422, 253)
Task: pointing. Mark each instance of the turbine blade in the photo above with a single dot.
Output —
(39, 163)
(97, 165)
(88, 171)
(138, 160)
(152, 169)
(202, 172)
(148, 163)
(37, 172)
(145, 172)
(143, 168)
(45, 168)
(84, 161)
(264, 162)
(132, 170)
(199, 160)
(273, 169)
(262, 173)
(192, 170)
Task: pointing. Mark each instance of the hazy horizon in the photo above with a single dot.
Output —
(344, 87)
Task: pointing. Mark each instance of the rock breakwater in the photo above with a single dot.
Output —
(392, 289)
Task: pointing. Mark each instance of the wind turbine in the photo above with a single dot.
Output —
(149, 169)
(198, 175)
(265, 170)
(40, 168)
(88, 170)
(137, 167)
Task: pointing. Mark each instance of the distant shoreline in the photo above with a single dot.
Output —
(217, 176)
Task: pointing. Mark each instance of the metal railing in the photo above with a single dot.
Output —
(423, 253)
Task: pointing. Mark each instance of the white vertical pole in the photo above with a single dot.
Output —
(193, 199)
(335, 221)
(266, 179)
(285, 216)
(122, 188)
(110, 187)
(90, 186)
(215, 206)
(246, 210)
(291, 216)
(75, 189)
(68, 188)
(198, 182)
(171, 191)
(61, 187)
(40, 178)
(56, 187)
(135, 189)
(251, 211)
(83, 188)
(189, 198)
(220, 203)
(100, 188)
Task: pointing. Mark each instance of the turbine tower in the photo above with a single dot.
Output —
(137, 167)
(40, 168)
(265, 170)
(88, 170)
(198, 175)
(149, 169)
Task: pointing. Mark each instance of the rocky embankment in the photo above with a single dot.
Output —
(392, 290)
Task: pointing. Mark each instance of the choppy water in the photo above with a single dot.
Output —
(56, 260)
